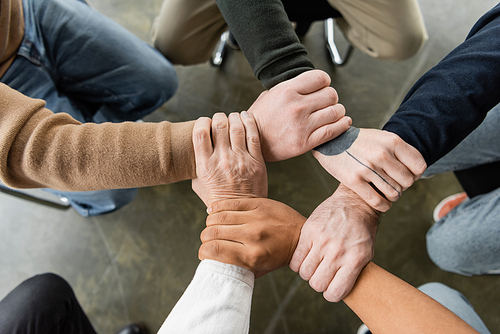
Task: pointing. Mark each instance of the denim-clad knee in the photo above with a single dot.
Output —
(456, 302)
(465, 241)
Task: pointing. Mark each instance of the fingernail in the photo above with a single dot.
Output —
(209, 210)
(244, 114)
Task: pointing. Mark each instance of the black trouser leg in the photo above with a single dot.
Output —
(43, 304)
(480, 179)
(305, 12)
(309, 10)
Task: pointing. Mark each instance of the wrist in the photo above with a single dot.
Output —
(350, 198)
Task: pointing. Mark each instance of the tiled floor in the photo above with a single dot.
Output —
(134, 264)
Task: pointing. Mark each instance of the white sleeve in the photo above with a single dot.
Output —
(217, 300)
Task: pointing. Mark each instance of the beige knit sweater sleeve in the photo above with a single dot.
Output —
(41, 149)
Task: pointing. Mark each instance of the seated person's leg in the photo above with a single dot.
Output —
(479, 148)
(388, 29)
(476, 159)
(94, 203)
(95, 61)
(456, 302)
(186, 31)
(84, 64)
(42, 304)
(465, 241)
(312, 10)
(35, 81)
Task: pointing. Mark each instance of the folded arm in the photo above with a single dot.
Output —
(40, 149)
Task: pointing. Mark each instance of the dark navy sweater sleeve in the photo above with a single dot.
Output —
(453, 98)
(267, 38)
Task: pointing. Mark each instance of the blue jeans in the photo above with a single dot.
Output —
(455, 302)
(466, 240)
(83, 63)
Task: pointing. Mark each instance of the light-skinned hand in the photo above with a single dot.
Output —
(297, 115)
(229, 164)
(336, 242)
(259, 234)
(378, 157)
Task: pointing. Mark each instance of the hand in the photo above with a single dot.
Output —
(256, 233)
(335, 244)
(233, 166)
(378, 157)
(298, 115)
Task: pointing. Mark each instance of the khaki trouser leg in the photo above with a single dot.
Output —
(385, 29)
(186, 31)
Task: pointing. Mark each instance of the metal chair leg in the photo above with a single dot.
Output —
(219, 51)
(337, 59)
(37, 196)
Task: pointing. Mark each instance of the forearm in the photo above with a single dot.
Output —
(387, 304)
(217, 300)
(453, 98)
(267, 38)
(41, 149)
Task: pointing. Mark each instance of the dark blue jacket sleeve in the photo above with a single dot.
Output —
(453, 98)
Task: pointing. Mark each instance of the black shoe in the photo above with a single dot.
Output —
(133, 329)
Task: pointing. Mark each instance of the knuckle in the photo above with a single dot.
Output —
(202, 252)
(215, 249)
(320, 78)
(317, 285)
(221, 218)
(225, 164)
(233, 206)
(339, 110)
(211, 220)
(257, 234)
(253, 139)
(200, 134)
(361, 257)
(331, 95)
(393, 139)
(219, 121)
(210, 233)
(237, 130)
(380, 157)
(334, 112)
(407, 180)
(305, 272)
(210, 251)
(296, 109)
(420, 166)
(241, 168)
(253, 258)
(332, 295)
(375, 201)
(391, 192)
(353, 181)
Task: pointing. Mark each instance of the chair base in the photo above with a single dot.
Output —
(337, 59)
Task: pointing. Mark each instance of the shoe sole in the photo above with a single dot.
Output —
(437, 209)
